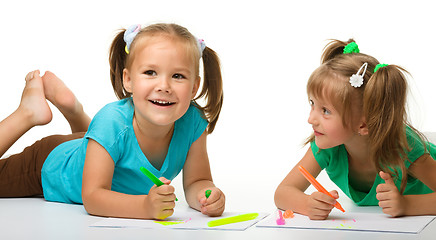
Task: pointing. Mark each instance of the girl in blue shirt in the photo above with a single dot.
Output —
(156, 124)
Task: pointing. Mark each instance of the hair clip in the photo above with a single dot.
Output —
(130, 34)
(380, 65)
(356, 79)
(351, 48)
(201, 45)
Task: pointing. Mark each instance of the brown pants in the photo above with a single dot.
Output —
(20, 174)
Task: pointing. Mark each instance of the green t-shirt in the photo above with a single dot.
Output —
(335, 161)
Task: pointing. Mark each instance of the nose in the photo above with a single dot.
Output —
(312, 118)
(164, 85)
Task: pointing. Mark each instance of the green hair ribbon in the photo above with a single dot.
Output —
(351, 48)
(380, 65)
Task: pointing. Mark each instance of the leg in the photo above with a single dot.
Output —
(63, 98)
(20, 174)
(32, 111)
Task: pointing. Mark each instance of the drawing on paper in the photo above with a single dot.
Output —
(172, 222)
(344, 224)
(354, 221)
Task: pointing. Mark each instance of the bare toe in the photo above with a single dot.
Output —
(33, 103)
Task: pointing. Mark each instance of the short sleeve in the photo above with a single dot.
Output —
(109, 127)
(416, 146)
(200, 124)
(192, 123)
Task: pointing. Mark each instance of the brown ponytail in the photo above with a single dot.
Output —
(212, 89)
(117, 62)
(384, 102)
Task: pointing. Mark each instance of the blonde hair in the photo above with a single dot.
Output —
(212, 90)
(381, 100)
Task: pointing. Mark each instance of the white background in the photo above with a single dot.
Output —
(268, 50)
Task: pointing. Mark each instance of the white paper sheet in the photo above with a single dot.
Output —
(180, 220)
(374, 222)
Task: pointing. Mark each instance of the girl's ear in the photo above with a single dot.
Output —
(196, 86)
(363, 128)
(127, 82)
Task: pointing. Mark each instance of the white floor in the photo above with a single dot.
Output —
(35, 218)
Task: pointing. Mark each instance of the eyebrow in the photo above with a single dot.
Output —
(175, 69)
(182, 69)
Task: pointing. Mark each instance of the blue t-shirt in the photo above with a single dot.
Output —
(112, 128)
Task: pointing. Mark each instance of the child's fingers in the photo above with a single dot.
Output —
(322, 206)
(165, 189)
(386, 195)
(319, 210)
(322, 197)
(215, 195)
(382, 196)
(385, 203)
(213, 205)
(167, 197)
(381, 188)
(319, 215)
(165, 213)
(165, 181)
(387, 177)
(161, 206)
(162, 193)
(214, 209)
(216, 200)
(202, 198)
(335, 194)
(156, 197)
(167, 205)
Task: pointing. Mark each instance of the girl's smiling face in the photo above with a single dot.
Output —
(162, 79)
(327, 124)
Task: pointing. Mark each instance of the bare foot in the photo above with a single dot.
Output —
(33, 104)
(64, 99)
(60, 95)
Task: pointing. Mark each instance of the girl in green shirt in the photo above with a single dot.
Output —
(362, 138)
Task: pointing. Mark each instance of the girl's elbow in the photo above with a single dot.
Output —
(87, 201)
(89, 207)
(277, 195)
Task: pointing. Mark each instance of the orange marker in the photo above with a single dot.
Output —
(317, 185)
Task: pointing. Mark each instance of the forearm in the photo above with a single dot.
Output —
(291, 198)
(103, 202)
(195, 188)
(423, 204)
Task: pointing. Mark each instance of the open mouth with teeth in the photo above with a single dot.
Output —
(161, 103)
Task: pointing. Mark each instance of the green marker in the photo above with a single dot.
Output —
(234, 219)
(152, 177)
(207, 193)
